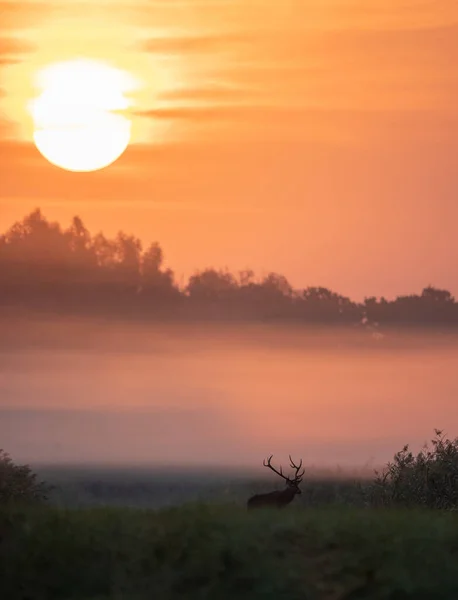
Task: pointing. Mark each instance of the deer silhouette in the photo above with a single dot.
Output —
(279, 498)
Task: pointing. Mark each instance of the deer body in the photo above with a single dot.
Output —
(279, 498)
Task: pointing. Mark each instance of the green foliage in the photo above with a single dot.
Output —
(428, 479)
(18, 483)
(199, 552)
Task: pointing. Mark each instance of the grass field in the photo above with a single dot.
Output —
(141, 534)
(87, 487)
(221, 552)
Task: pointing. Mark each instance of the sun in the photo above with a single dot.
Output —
(78, 117)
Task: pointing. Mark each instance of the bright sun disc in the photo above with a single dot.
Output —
(77, 120)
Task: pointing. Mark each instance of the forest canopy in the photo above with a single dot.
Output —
(45, 266)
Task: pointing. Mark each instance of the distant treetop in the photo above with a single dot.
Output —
(43, 266)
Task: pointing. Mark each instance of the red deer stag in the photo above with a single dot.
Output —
(279, 498)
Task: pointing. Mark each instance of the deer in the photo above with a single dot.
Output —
(279, 498)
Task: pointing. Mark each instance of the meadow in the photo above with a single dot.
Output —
(201, 551)
(155, 488)
(111, 534)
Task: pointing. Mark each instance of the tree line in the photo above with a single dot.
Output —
(44, 266)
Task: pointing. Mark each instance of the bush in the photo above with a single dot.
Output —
(429, 479)
(18, 483)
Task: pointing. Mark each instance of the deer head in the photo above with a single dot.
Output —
(280, 498)
(291, 482)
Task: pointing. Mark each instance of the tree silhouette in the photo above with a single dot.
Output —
(43, 265)
(211, 285)
(157, 284)
(19, 484)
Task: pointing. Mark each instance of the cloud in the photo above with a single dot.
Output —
(389, 15)
(16, 14)
(353, 68)
(271, 118)
(359, 67)
(323, 16)
(220, 113)
(193, 44)
(11, 45)
(210, 94)
(11, 48)
(433, 43)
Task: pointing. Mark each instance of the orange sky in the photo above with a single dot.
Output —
(317, 138)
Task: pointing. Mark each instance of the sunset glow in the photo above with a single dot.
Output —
(316, 133)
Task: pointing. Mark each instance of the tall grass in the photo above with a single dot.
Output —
(200, 552)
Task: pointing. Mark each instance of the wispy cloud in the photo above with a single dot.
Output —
(11, 53)
(193, 44)
(206, 94)
(17, 14)
(296, 15)
(379, 67)
(212, 112)
(10, 46)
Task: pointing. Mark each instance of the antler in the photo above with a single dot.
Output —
(298, 476)
(280, 472)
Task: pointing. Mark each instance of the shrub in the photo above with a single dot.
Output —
(429, 479)
(19, 484)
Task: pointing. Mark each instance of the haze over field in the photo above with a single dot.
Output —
(91, 392)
